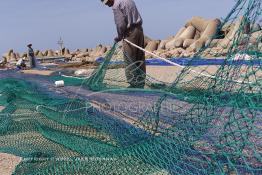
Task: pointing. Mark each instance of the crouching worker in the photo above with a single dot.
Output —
(21, 64)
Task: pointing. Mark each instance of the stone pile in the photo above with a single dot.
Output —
(193, 36)
(83, 55)
(199, 32)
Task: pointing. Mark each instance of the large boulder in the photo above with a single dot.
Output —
(198, 22)
(211, 29)
(17, 55)
(209, 32)
(256, 37)
(89, 59)
(187, 54)
(189, 33)
(227, 28)
(213, 43)
(171, 43)
(175, 52)
(152, 45)
(179, 42)
(65, 51)
(96, 51)
(146, 40)
(255, 27)
(50, 53)
(62, 51)
(228, 40)
(77, 59)
(45, 53)
(197, 35)
(188, 42)
(76, 52)
(180, 52)
(162, 45)
(40, 54)
(82, 55)
(12, 57)
(10, 52)
(102, 51)
(3, 61)
(37, 52)
(180, 31)
(57, 52)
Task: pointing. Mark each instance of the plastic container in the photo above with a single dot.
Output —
(60, 83)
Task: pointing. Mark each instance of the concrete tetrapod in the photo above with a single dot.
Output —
(189, 33)
(171, 44)
(209, 32)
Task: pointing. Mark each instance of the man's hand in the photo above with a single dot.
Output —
(117, 39)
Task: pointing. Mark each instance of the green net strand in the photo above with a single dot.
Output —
(95, 82)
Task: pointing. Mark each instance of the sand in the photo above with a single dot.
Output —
(167, 74)
(38, 72)
(170, 73)
(8, 163)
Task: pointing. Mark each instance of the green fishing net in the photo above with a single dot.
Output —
(203, 122)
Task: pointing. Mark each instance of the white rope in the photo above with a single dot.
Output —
(38, 112)
(178, 65)
(73, 77)
(168, 61)
(73, 110)
(21, 114)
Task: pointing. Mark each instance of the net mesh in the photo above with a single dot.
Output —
(205, 120)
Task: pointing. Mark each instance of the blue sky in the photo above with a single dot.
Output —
(86, 23)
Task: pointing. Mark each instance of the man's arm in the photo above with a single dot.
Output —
(121, 24)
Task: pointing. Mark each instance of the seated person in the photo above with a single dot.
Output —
(21, 63)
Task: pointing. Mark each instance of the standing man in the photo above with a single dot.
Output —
(31, 56)
(129, 26)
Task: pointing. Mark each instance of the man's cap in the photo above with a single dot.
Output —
(104, 1)
(28, 45)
